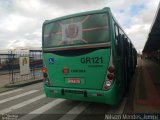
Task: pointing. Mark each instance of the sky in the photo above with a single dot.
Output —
(21, 20)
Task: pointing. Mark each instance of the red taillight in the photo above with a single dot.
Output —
(45, 75)
(44, 70)
(111, 69)
(110, 76)
(65, 70)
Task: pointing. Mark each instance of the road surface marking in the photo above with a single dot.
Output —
(6, 110)
(17, 96)
(12, 91)
(41, 110)
(74, 112)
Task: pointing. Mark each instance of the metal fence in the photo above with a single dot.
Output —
(4, 64)
(11, 64)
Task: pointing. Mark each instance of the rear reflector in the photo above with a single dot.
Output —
(97, 94)
(52, 91)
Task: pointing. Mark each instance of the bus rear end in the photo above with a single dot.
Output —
(78, 62)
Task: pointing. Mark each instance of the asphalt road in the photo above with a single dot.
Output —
(30, 103)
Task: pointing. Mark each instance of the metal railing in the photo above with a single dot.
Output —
(10, 64)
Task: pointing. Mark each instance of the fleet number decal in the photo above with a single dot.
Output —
(91, 60)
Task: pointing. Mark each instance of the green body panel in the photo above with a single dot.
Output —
(108, 97)
(120, 70)
(91, 73)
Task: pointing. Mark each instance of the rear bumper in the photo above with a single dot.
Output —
(109, 97)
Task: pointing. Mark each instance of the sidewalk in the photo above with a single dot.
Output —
(5, 84)
(4, 79)
(147, 87)
(22, 83)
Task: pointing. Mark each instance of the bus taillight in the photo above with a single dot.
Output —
(44, 70)
(45, 75)
(111, 69)
(107, 84)
(46, 79)
(110, 73)
(47, 82)
(109, 78)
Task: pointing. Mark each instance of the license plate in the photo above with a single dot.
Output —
(74, 80)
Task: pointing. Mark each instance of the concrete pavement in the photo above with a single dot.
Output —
(147, 92)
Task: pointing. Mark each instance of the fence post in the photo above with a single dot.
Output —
(12, 66)
(11, 63)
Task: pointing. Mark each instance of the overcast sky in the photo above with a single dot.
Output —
(21, 20)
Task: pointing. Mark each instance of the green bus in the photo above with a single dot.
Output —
(87, 57)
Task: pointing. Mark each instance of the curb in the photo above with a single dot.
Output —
(22, 84)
